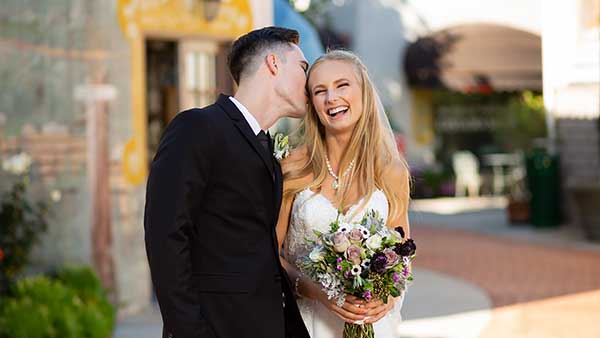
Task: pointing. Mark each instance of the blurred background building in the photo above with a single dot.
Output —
(87, 88)
(474, 89)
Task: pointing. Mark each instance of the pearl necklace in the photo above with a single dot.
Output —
(336, 180)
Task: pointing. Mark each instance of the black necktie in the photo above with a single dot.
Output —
(264, 140)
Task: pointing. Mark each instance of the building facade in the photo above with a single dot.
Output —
(88, 87)
(382, 31)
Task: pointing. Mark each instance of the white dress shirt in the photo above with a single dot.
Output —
(247, 115)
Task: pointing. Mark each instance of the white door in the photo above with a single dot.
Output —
(197, 73)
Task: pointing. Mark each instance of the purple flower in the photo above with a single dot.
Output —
(405, 271)
(392, 257)
(340, 242)
(396, 277)
(339, 268)
(408, 248)
(400, 230)
(353, 254)
(378, 262)
(339, 260)
(368, 295)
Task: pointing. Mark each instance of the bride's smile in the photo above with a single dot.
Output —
(337, 112)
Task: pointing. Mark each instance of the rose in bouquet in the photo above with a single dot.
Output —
(367, 260)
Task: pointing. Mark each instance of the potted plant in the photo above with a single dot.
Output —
(517, 209)
(520, 126)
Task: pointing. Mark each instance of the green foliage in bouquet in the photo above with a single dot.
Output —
(73, 305)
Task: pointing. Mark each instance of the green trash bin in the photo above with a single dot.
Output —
(543, 180)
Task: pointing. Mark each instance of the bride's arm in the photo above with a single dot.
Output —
(399, 178)
(303, 285)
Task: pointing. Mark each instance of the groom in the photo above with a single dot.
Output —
(213, 198)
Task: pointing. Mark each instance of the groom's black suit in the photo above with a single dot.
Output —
(212, 203)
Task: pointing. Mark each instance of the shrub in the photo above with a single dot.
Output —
(73, 305)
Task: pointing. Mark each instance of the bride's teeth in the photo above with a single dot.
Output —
(334, 111)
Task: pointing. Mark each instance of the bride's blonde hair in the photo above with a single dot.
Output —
(369, 145)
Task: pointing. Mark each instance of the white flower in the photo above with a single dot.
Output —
(55, 195)
(281, 146)
(364, 231)
(366, 264)
(17, 164)
(345, 227)
(374, 242)
(317, 254)
(356, 270)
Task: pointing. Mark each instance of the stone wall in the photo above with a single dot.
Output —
(48, 49)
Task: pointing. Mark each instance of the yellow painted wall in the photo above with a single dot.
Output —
(422, 116)
(140, 19)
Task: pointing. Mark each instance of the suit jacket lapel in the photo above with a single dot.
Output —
(240, 122)
(278, 189)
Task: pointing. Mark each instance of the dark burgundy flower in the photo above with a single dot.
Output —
(400, 230)
(408, 248)
(378, 263)
(1, 255)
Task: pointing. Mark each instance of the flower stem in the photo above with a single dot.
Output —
(358, 331)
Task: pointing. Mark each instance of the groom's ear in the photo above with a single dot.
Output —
(272, 63)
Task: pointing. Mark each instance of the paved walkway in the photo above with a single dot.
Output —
(144, 325)
(476, 276)
(543, 283)
(429, 310)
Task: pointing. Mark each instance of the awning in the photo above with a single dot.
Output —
(477, 57)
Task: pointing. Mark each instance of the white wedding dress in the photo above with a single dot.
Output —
(312, 211)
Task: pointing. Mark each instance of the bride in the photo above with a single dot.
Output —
(347, 161)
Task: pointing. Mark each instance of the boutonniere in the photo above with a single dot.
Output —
(281, 146)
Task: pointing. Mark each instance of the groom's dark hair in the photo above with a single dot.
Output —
(242, 58)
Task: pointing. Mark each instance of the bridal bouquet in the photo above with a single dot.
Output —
(366, 259)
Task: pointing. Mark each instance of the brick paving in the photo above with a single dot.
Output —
(537, 290)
